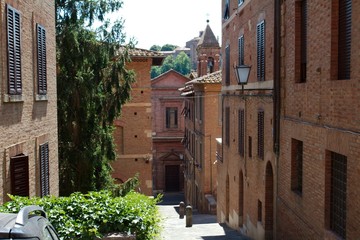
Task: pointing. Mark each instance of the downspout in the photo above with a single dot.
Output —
(276, 102)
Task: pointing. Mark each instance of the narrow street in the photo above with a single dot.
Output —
(204, 226)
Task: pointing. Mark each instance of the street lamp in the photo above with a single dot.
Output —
(242, 75)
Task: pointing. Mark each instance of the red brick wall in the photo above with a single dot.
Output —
(323, 113)
(259, 174)
(136, 122)
(26, 124)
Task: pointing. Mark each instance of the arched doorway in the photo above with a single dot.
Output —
(269, 201)
(227, 211)
(241, 198)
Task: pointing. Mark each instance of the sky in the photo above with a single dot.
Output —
(160, 22)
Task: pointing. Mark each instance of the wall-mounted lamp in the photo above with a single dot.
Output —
(242, 73)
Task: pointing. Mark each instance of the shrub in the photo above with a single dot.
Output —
(86, 216)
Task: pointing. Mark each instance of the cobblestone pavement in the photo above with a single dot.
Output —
(204, 226)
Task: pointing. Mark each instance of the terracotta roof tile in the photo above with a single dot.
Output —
(214, 77)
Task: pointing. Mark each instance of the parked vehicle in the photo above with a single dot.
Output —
(30, 223)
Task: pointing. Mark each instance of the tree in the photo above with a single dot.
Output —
(168, 47)
(92, 84)
(182, 63)
(155, 48)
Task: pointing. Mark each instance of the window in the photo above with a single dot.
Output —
(250, 147)
(41, 59)
(199, 110)
(241, 50)
(14, 51)
(241, 134)
(227, 126)
(344, 39)
(296, 165)
(259, 211)
(335, 185)
(171, 117)
(19, 173)
(300, 40)
(227, 9)
(44, 169)
(261, 134)
(260, 45)
(201, 154)
(210, 65)
(227, 65)
(240, 2)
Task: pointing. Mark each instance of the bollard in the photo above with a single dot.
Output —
(181, 210)
(188, 216)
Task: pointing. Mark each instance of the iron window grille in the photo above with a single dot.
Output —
(338, 194)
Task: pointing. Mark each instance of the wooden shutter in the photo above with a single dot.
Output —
(303, 41)
(227, 10)
(19, 174)
(175, 118)
(241, 50)
(44, 169)
(227, 126)
(167, 117)
(241, 122)
(261, 134)
(227, 65)
(260, 33)
(41, 59)
(344, 46)
(13, 50)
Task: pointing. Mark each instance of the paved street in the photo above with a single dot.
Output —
(204, 225)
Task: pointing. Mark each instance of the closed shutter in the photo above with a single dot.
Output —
(260, 33)
(41, 59)
(227, 65)
(227, 10)
(19, 174)
(227, 126)
(13, 51)
(261, 134)
(303, 40)
(241, 132)
(241, 50)
(344, 46)
(44, 169)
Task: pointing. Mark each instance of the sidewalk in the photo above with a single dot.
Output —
(204, 225)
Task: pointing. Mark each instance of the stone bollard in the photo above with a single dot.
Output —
(181, 210)
(189, 216)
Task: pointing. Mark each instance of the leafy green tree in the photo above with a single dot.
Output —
(182, 63)
(168, 47)
(155, 48)
(168, 64)
(92, 85)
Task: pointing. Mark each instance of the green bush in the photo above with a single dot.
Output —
(86, 216)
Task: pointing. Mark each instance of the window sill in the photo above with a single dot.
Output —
(13, 98)
(39, 97)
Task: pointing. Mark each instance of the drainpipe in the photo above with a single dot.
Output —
(276, 102)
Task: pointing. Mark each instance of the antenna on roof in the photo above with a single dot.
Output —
(207, 16)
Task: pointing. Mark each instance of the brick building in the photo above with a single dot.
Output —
(28, 104)
(247, 169)
(133, 130)
(319, 191)
(167, 132)
(202, 125)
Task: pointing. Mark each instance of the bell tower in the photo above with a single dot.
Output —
(208, 53)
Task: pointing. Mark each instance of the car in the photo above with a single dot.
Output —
(30, 223)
